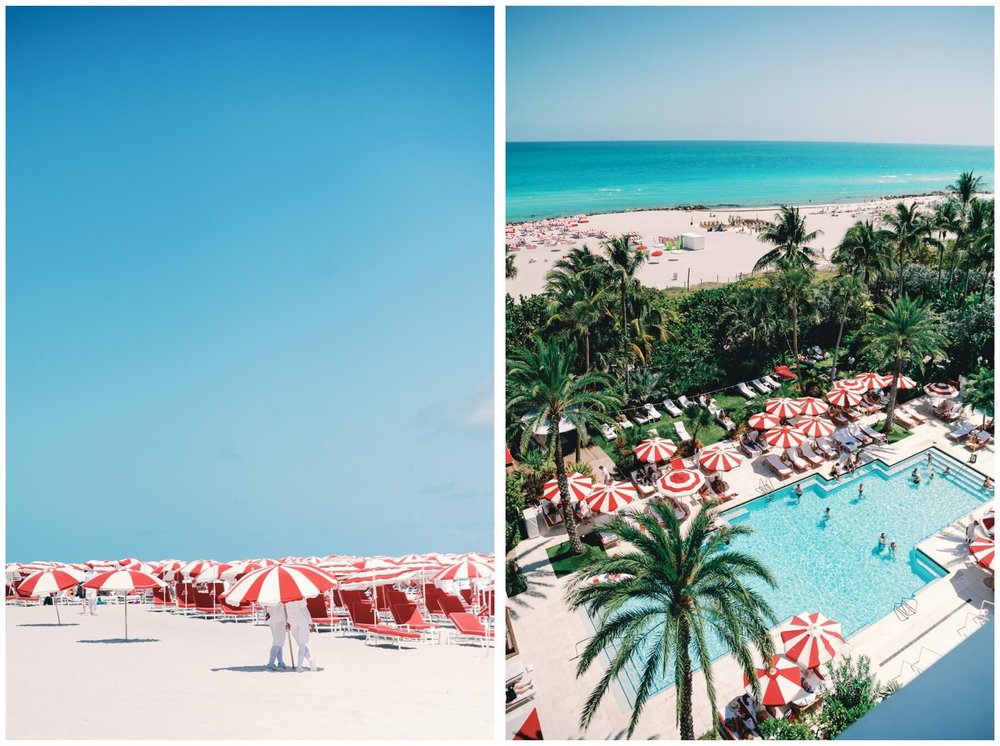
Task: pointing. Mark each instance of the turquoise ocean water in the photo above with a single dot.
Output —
(568, 178)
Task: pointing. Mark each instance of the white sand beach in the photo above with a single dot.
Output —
(187, 678)
(726, 255)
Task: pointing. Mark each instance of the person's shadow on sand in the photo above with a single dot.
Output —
(53, 624)
(117, 640)
(257, 669)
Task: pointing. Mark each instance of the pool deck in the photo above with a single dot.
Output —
(899, 645)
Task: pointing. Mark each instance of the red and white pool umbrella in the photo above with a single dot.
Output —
(785, 437)
(811, 639)
(720, 459)
(905, 382)
(812, 407)
(850, 384)
(815, 427)
(941, 390)
(655, 449)
(123, 581)
(981, 550)
(873, 381)
(467, 569)
(53, 580)
(763, 421)
(783, 407)
(681, 482)
(607, 498)
(579, 487)
(780, 682)
(843, 397)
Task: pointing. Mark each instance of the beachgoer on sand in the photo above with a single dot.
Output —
(299, 621)
(91, 595)
(275, 616)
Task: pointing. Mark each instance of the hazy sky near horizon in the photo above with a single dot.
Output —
(906, 74)
(249, 272)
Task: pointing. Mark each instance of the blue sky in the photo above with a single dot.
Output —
(249, 280)
(912, 75)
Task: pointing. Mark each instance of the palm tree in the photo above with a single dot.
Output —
(979, 391)
(791, 241)
(864, 251)
(648, 325)
(849, 291)
(965, 188)
(623, 262)
(673, 589)
(792, 284)
(905, 330)
(542, 383)
(582, 264)
(510, 268)
(907, 228)
(575, 308)
(698, 418)
(752, 319)
(946, 219)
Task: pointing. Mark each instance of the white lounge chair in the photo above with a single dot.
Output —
(651, 411)
(641, 417)
(961, 431)
(770, 381)
(845, 441)
(798, 462)
(746, 391)
(872, 433)
(681, 431)
(756, 383)
(624, 423)
(778, 466)
(827, 448)
(671, 408)
(684, 402)
(920, 419)
(810, 455)
(723, 419)
(608, 432)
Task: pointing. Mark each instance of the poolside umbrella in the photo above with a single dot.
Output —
(123, 581)
(680, 482)
(53, 580)
(848, 383)
(783, 407)
(763, 421)
(811, 406)
(873, 381)
(784, 437)
(982, 551)
(815, 427)
(843, 397)
(905, 382)
(280, 584)
(780, 682)
(607, 498)
(720, 459)
(579, 487)
(655, 449)
(941, 390)
(811, 639)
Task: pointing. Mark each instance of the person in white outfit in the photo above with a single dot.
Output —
(299, 621)
(91, 595)
(278, 623)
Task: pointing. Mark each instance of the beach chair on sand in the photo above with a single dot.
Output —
(745, 390)
(408, 616)
(363, 616)
(961, 431)
(778, 466)
(383, 633)
(237, 613)
(671, 408)
(320, 614)
(450, 604)
(469, 629)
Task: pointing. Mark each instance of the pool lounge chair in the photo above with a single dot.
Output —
(757, 384)
(872, 433)
(725, 420)
(640, 416)
(920, 419)
(961, 431)
(784, 372)
(778, 466)
(855, 432)
(608, 432)
(623, 422)
(810, 455)
(977, 440)
(671, 408)
(681, 431)
(750, 448)
(684, 402)
(852, 414)
(948, 413)
(651, 411)
(845, 441)
(745, 390)
(770, 381)
(903, 420)
(797, 462)
(828, 449)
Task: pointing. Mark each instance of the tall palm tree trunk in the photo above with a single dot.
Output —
(902, 254)
(940, 262)
(890, 410)
(586, 351)
(569, 520)
(625, 332)
(836, 347)
(685, 715)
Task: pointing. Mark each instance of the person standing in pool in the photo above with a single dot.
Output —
(883, 539)
(892, 547)
(826, 513)
(861, 489)
(798, 490)
(915, 476)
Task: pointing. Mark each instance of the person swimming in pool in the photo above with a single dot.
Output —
(861, 489)
(892, 547)
(945, 471)
(915, 476)
(883, 539)
(826, 513)
(798, 490)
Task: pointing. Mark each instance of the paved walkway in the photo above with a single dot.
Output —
(900, 645)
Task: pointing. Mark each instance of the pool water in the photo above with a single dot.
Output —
(835, 565)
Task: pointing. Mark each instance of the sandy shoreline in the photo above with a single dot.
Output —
(727, 255)
(197, 678)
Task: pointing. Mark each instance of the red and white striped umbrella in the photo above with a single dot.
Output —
(607, 498)
(280, 584)
(579, 487)
(780, 682)
(468, 569)
(123, 581)
(140, 566)
(763, 421)
(720, 459)
(941, 390)
(359, 580)
(905, 382)
(785, 437)
(194, 569)
(680, 482)
(815, 427)
(783, 407)
(811, 639)
(53, 580)
(872, 381)
(655, 449)
(848, 383)
(812, 407)
(170, 568)
(843, 397)
(212, 573)
(982, 551)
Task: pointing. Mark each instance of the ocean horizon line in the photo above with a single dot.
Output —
(642, 141)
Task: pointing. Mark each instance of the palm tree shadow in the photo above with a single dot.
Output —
(120, 640)
(53, 624)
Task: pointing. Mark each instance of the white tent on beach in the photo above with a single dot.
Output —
(692, 241)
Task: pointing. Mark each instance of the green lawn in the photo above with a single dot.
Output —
(897, 434)
(564, 562)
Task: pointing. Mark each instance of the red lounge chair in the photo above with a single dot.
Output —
(785, 373)
(237, 612)
(470, 629)
(677, 463)
(363, 615)
(394, 635)
(408, 615)
(320, 614)
(450, 604)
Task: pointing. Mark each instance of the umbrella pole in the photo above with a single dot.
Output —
(55, 600)
(126, 615)
(291, 655)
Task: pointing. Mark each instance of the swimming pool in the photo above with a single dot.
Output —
(835, 565)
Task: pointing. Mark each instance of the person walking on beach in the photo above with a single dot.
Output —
(91, 593)
(275, 616)
(299, 621)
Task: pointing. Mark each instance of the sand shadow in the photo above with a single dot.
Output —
(262, 669)
(120, 640)
(53, 624)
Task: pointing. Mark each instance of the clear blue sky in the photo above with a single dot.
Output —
(249, 279)
(912, 75)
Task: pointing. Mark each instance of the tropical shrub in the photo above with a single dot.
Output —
(516, 582)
